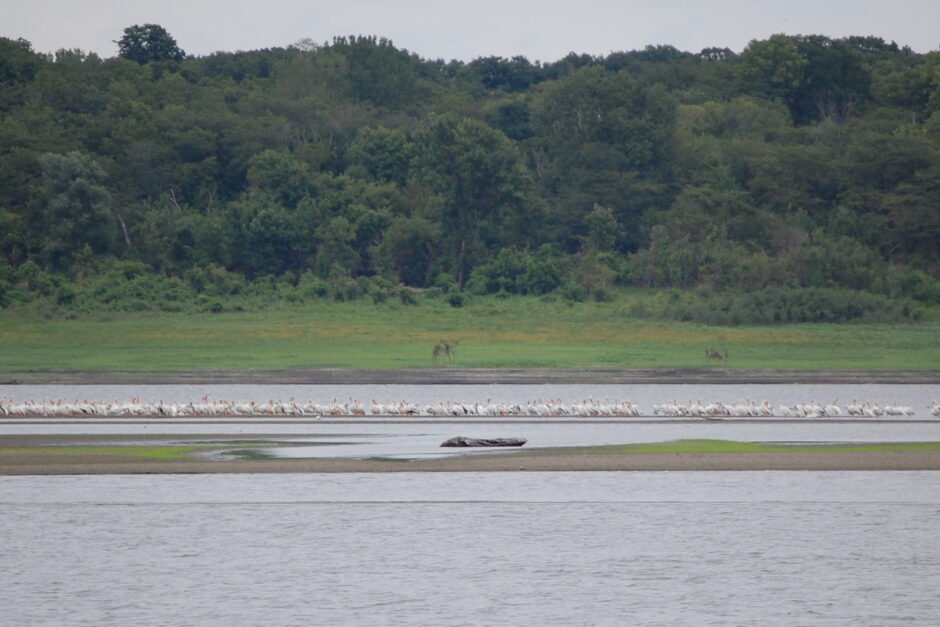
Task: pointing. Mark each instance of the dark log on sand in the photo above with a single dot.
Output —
(461, 440)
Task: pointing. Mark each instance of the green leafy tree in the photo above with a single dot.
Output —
(882, 162)
(18, 62)
(482, 183)
(915, 219)
(382, 152)
(336, 253)
(18, 66)
(12, 237)
(257, 236)
(512, 116)
(287, 179)
(515, 74)
(78, 208)
(602, 229)
(148, 43)
(773, 66)
(607, 140)
(818, 78)
(597, 116)
(720, 171)
(409, 249)
(377, 71)
(835, 80)
(74, 83)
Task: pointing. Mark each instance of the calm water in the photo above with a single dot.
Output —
(668, 548)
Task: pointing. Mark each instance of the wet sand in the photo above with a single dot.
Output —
(51, 455)
(469, 376)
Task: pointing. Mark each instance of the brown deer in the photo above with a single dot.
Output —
(713, 355)
(446, 349)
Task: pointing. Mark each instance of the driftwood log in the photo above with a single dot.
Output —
(461, 440)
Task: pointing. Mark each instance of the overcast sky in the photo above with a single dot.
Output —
(544, 30)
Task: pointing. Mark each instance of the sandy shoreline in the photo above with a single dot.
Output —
(57, 455)
(536, 461)
(467, 376)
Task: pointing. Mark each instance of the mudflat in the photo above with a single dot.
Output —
(76, 455)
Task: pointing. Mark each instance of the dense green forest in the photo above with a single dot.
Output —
(796, 181)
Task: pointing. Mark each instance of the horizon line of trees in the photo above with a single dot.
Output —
(804, 162)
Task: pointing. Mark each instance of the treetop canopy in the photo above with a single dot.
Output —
(148, 43)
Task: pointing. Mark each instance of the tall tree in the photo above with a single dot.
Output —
(18, 66)
(382, 152)
(408, 249)
(515, 74)
(816, 77)
(147, 43)
(482, 183)
(78, 210)
(774, 66)
(378, 71)
(607, 140)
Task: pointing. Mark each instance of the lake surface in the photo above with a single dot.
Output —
(661, 548)
(652, 548)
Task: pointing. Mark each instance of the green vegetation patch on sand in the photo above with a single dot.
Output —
(518, 332)
(731, 446)
(129, 452)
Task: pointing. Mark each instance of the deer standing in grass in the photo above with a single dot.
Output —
(713, 355)
(446, 349)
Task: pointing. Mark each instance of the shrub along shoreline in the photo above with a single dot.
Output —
(118, 286)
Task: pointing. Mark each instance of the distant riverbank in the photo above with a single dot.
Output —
(479, 376)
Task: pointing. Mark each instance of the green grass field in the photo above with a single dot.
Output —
(490, 333)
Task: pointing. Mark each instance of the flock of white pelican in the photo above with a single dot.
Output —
(221, 408)
(750, 409)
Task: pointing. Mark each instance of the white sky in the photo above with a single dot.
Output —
(543, 30)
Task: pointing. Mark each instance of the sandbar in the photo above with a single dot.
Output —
(69, 455)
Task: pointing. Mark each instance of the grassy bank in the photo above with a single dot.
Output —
(488, 333)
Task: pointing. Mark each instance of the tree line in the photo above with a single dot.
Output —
(804, 164)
